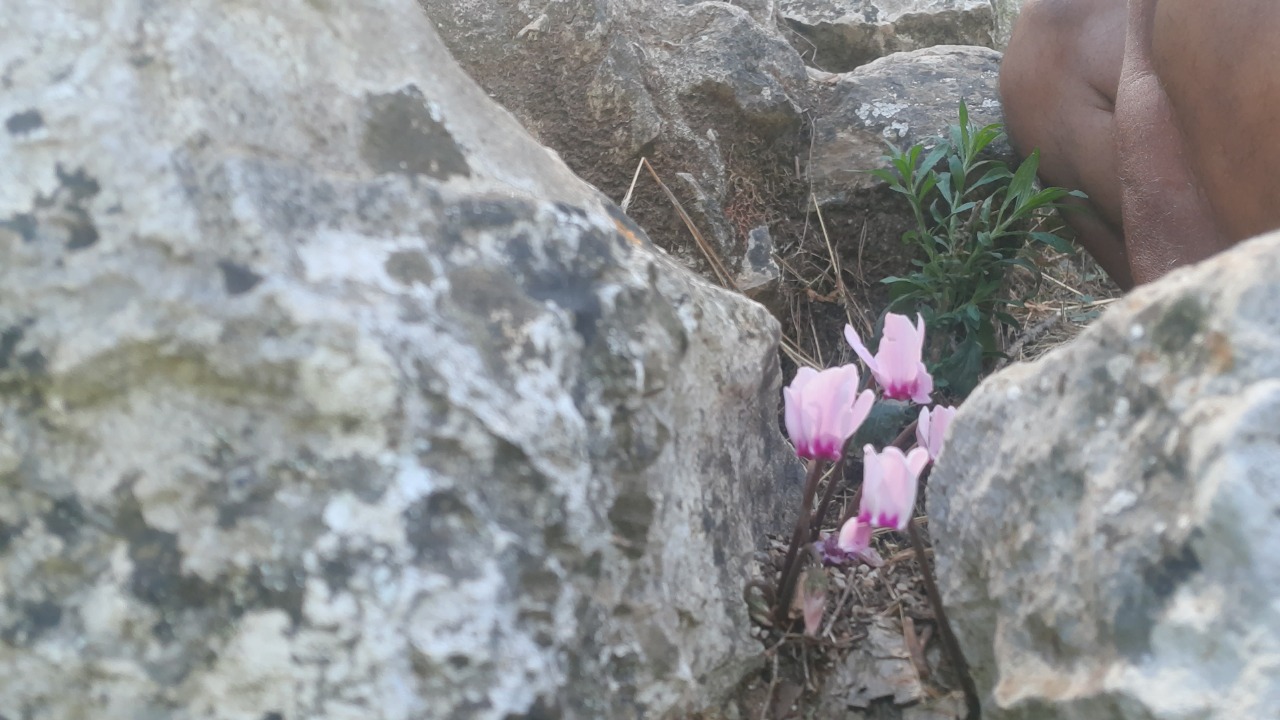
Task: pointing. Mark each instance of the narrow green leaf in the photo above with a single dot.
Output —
(1021, 183)
(1059, 244)
(944, 187)
(936, 154)
(999, 172)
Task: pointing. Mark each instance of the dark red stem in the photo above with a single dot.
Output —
(949, 641)
(791, 566)
(837, 478)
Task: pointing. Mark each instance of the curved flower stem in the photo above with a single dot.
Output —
(791, 566)
(837, 478)
(949, 641)
(902, 442)
(907, 437)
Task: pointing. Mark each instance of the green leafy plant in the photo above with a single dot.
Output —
(973, 219)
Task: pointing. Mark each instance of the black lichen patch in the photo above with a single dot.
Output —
(33, 362)
(408, 267)
(243, 493)
(401, 136)
(9, 339)
(1178, 326)
(78, 184)
(77, 188)
(190, 604)
(157, 577)
(442, 530)
(550, 274)
(65, 519)
(62, 215)
(631, 515)
(488, 306)
(1165, 576)
(43, 615)
(7, 533)
(81, 232)
(338, 571)
(236, 278)
(24, 122)
(279, 588)
(1138, 612)
(37, 618)
(24, 224)
(1133, 623)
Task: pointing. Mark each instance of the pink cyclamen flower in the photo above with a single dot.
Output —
(889, 485)
(897, 365)
(931, 429)
(855, 536)
(824, 409)
(852, 544)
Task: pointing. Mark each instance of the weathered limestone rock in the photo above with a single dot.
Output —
(1006, 12)
(840, 35)
(902, 99)
(1105, 519)
(325, 392)
(606, 82)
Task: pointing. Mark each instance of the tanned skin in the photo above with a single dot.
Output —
(1167, 218)
(1162, 111)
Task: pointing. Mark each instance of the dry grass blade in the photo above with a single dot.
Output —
(797, 356)
(841, 291)
(793, 351)
(626, 199)
(707, 251)
(1061, 284)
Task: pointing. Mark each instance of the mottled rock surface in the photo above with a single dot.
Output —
(840, 35)
(697, 87)
(1006, 13)
(1106, 518)
(903, 99)
(326, 392)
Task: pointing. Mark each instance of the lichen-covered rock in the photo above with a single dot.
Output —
(903, 99)
(1105, 519)
(1006, 12)
(696, 87)
(840, 35)
(325, 392)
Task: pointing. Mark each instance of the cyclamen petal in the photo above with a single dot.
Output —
(899, 346)
(824, 409)
(897, 365)
(889, 486)
(922, 392)
(855, 342)
(855, 536)
(931, 429)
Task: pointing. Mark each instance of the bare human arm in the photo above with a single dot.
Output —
(1168, 221)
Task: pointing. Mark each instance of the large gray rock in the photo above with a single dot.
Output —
(903, 99)
(325, 392)
(840, 35)
(697, 87)
(1105, 519)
